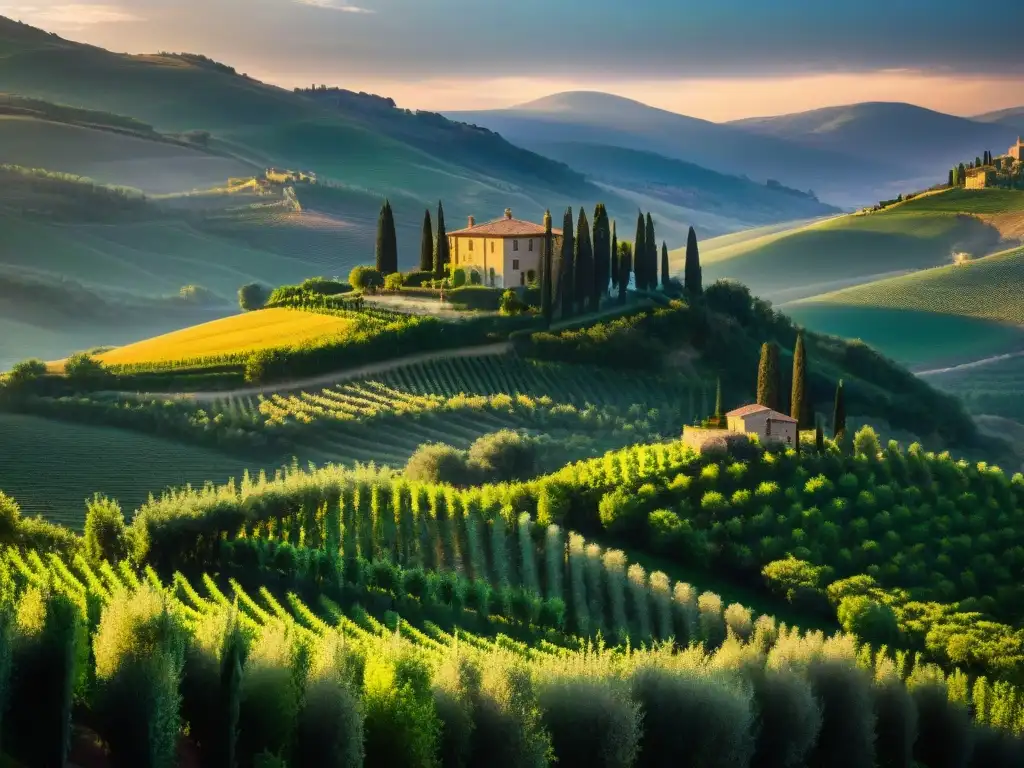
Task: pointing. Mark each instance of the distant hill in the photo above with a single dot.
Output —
(1012, 118)
(414, 159)
(687, 185)
(601, 118)
(905, 135)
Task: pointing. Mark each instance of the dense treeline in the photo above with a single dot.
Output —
(64, 197)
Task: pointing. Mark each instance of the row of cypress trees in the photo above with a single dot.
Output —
(769, 388)
(589, 260)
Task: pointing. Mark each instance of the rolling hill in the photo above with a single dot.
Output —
(1012, 118)
(904, 135)
(604, 119)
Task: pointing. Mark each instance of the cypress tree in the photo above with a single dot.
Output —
(441, 253)
(545, 269)
(839, 413)
(381, 247)
(640, 253)
(390, 241)
(664, 264)
(651, 254)
(768, 376)
(718, 403)
(962, 174)
(567, 276)
(950, 182)
(602, 255)
(625, 265)
(584, 274)
(799, 405)
(427, 244)
(614, 265)
(691, 268)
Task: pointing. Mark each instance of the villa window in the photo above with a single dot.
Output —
(515, 263)
(531, 245)
(515, 245)
(471, 245)
(492, 246)
(522, 278)
(768, 428)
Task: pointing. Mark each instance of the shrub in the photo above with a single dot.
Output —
(437, 463)
(393, 282)
(417, 279)
(866, 443)
(475, 278)
(138, 649)
(868, 620)
(666, 530)
(10, 519)
(689, 713)
(622, 512)
(789, 718)
(896, 718)
(37, 725)
(944, 727)
(511, 304)
(269, 696)
(507, 727)
(105, 536)
(325, 286)
(504, 456)
(198, 295)
(458, 277)
(365, 278)
(83, 370)
(401, 725)
(330, 726)
(591, 721)
(24, 373)
(211, 686)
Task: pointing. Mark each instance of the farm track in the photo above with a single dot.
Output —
(335, 377)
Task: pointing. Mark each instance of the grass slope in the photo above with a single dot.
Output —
(154, 167)
(240, 333)
(58, 465)
(821, 257)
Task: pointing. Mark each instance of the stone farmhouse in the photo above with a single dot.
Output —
(980, 178)
(769, 426)
(506, 251)
(1017, 150)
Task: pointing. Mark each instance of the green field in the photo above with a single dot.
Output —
(911, 337)
(987, 288)
(51, 467)
(834, 254)
(155, 167)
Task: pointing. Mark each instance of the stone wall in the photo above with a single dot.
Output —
(703, 440)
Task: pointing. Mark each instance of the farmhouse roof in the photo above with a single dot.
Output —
(750, 410)
(506, 226)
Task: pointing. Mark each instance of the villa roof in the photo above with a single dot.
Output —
(750, 410)
(506, 226)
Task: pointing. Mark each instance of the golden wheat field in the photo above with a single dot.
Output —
(230, 335)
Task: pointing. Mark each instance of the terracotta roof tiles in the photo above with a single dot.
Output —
(504, 227)
(749, 410)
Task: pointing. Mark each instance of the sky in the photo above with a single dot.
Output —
(715, 59)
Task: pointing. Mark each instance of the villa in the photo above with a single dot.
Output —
(505, 251)
(1017, 150)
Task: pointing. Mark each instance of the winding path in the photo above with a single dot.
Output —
(334, 377)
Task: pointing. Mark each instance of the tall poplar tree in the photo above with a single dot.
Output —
(839, 413)
(639, 253)
(442, 253)
(545, 269)
(427, 244)
(768, 376)
(567, 277)
(691, 267)
(800, 406)
(602, 255)
(584, 263)
(664, 264)
(625, 265)
(614, 265)
(651, 252)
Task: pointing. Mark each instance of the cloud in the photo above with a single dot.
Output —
(68, 15)
(333, 5)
